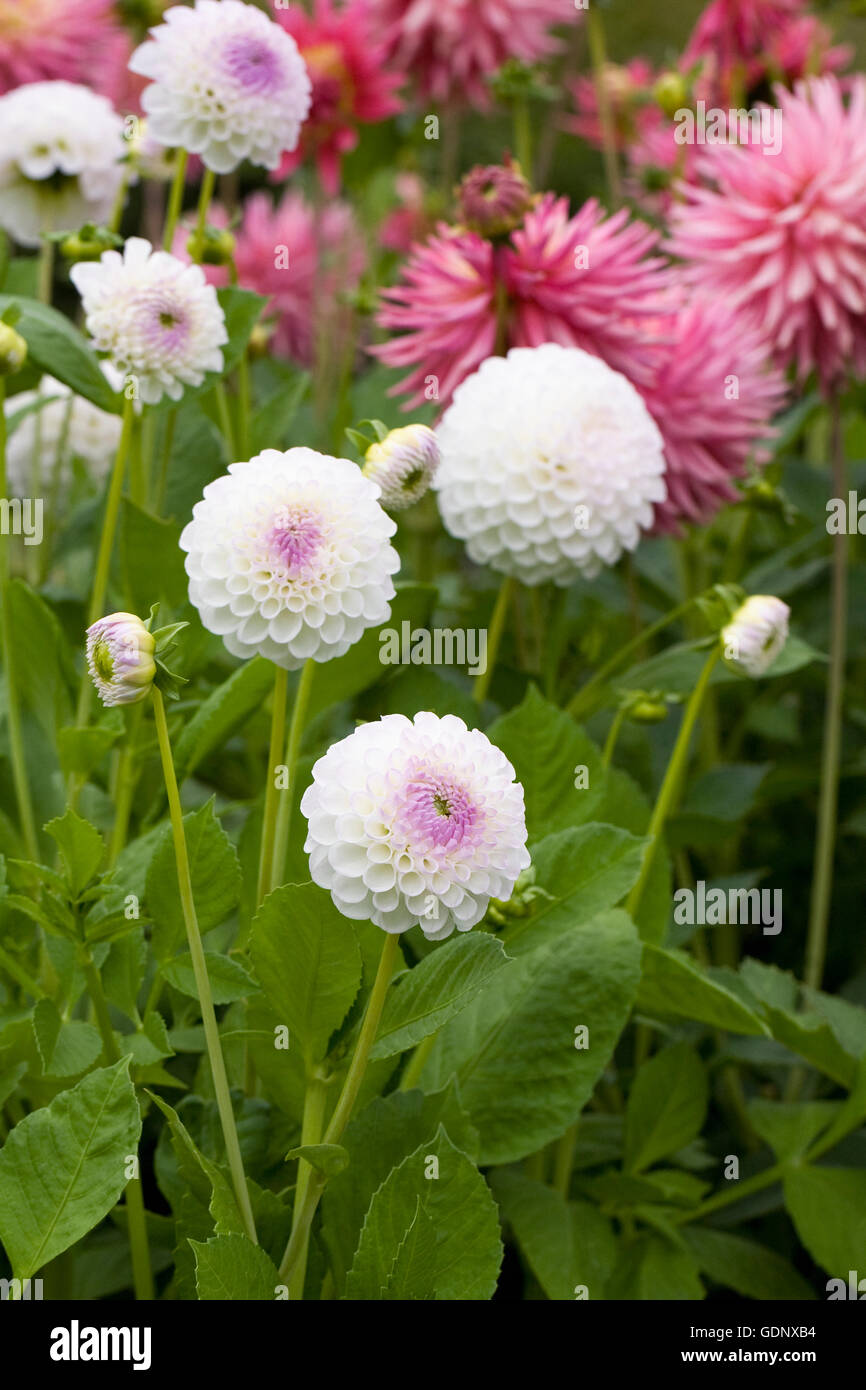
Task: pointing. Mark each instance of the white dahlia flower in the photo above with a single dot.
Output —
(289, 556)
(551, 464)
(415, 821)
(157, 318)
(65, 427)
(61, 148)
(756, 634)
(120, 658)
(403, 464)
(226, 83)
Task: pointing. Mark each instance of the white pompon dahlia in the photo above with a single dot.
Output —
(415, 821)
(756, 634)
(551, 464)
(61, 148)
(288, 556)
(227, 83)
(65, 427)
(157, 318)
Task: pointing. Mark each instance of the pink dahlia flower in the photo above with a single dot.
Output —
(53, 40)
(449, 47)
(783, 237)
(586, 281)
(744, 43)
(624, 85)
(408, 221)
(713, 396)
(282, 252)
(345, 64)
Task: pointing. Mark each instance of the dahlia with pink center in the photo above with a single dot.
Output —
(713, 397)
(345, 63)
(415, 821)
(449, 47)
(585, 281)
(48, 40)
(302, 264)
(783, 238)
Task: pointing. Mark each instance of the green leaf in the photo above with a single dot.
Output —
(81, 750)
(808, 1033)
(567, 1244)
(216, 880)
(674, 985)
(56, 345)
(453, 1195)
(153, 569)
(654, 1268)
(224, 710)
(789, 1128)
(379, 1137)
(270, 423)
(828, 1208)
(330, 1159)
(585, 870)
(205, 1181)
(66, 1048)
(228, 978)
(749, 1269)
(42, 679)
(545, 746)
(307, 959)
(231, 1267)
(409, 1279)
(423, 999)
(81, 848)
(63, 1167)
(666, 1106)
(523, 1074)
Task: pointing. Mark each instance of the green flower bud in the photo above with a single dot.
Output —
(13, 350)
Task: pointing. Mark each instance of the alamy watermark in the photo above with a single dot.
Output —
(439, 646)
(718, 907)
(22, 516)
(759, 125)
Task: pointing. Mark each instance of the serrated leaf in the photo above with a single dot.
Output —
(57, 346)
(410, 1279)
(330, 1159)
(307, 959)
(67, 1048)
(229, 980)
(216, 881)
(424, 998)
(224, 710)
(63, 1167)
(468, 1251)
(231, 1267)
(653, 1268)
(81, 848)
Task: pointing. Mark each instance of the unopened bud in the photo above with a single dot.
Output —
(120, 658)
(13, 350)
(403, 464)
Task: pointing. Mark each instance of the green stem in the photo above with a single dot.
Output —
(293, 746)
(579, 702)
(7, 646)
(671, 784)
(142, 1274)
(46, 272)
(175, 199)
(598, 56)
(494, 636)
(417, 1062)
(311, 1133)
(613, 735)
(167, 441)
(106, 545)
(125, 786)
(269, 822)
(564, 1160)
(199, 965)
(204, 201)
(20, 975)
(225, 419)
(348, 1096)
(825, 841)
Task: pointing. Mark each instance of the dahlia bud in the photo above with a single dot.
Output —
(403, 465)
(89, 243)
(13, 350)
(648, 710)
(213, 246)
(671, 93)
(755, 635)
(260, 339)
(493, 199)
(120, 658)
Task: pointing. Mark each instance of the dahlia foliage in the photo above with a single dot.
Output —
(431, 747)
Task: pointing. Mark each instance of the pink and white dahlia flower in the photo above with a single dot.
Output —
(415, 821)
(783, 237)
(51, 40)
(120, 659)
(288, 556)
(157, 318)
(226, 83)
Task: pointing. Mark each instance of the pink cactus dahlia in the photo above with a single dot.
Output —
(52, 40)
(713, 397)
(345, 63)
(587, 281)
(744, 43)
(784, 237)
(450, 46)
(283, 253)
